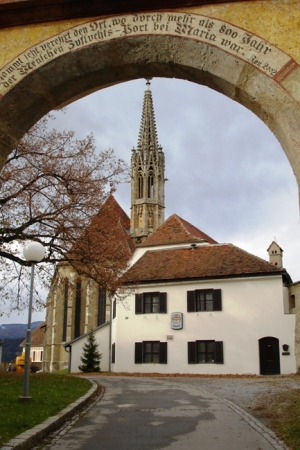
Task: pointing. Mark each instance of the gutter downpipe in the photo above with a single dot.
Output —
(110, 334)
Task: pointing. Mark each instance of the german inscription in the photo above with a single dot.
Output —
(235, 41)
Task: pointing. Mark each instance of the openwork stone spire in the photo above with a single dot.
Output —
(147, 176)
(148, 135)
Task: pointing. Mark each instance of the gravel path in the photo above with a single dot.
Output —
(246, 392)
(242, 390)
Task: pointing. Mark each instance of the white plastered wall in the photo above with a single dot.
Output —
(102, 338)
(252, 308)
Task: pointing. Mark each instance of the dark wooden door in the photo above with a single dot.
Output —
(269, 356)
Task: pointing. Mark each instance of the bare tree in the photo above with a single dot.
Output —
(51, 187)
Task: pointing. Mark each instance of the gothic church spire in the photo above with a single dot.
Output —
(147, 176)
(148, 135)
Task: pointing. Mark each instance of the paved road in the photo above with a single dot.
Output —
(151, 414)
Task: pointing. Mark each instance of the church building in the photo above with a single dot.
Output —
(187, 304)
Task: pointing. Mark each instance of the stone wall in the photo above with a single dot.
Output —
(226, 46)
(294, 296)
(247, 50)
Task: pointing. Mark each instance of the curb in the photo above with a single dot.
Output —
(252, 421)
(30, 438)
(256, 424)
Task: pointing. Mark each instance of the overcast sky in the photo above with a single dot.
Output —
(227, 173)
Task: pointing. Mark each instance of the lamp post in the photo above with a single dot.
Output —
(33, 252)
(1, 343)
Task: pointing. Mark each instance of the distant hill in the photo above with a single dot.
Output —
(16, 330)
(10, 349)
(12, 335)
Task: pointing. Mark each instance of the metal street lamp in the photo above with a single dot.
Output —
(33, 252)
(1, 343)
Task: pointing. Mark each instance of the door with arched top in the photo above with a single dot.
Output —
(269, 356)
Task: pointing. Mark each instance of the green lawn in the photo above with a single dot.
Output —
(50, 393)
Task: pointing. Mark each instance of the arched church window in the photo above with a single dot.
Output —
(140, 185)
(150, 185)
(77, 330)
(101, 306)
(65, 317)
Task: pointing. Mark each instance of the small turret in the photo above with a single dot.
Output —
(275, 255)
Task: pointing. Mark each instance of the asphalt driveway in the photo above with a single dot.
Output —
(139, 413)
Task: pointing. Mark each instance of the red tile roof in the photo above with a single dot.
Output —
(112, 223)
(176, 230)
(106, 238)
(204, 261)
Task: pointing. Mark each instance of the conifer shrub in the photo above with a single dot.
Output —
(91, 357)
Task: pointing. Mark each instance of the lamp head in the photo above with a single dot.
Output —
(34, 252)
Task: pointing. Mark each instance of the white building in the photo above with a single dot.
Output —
(37, 342)
(202, 307)
(198, 307)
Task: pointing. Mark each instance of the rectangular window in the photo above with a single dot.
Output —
(204, 300)
(151, 303)
(114, 309)
(151, 352)
(205, 352)
(113, 353)
(41, 355)
(154, 352)
(292, 301)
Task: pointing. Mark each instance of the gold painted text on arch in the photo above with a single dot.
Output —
(233, 40)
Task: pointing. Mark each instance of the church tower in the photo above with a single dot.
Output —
(147, 176)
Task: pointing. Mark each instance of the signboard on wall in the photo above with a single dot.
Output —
(176, 321)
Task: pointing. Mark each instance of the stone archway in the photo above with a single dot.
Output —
(100, 53)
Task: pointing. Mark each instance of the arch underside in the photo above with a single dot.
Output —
(88, 69)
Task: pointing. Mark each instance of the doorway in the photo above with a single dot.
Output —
(269, 356)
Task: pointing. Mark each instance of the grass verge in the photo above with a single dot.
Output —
(281, 413)
(50, 394)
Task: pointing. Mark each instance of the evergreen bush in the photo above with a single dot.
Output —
(91, 356)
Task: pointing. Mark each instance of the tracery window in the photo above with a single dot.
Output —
(140, 185)
(150, 184)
